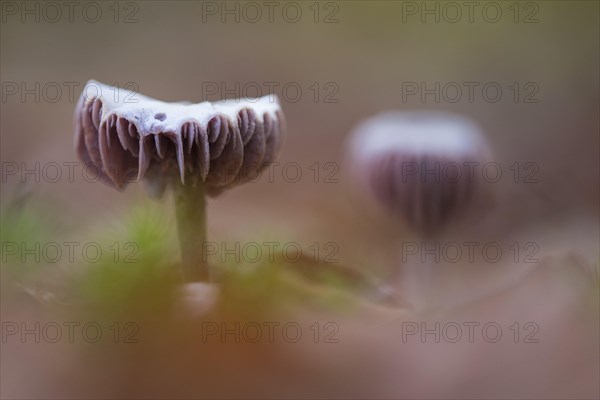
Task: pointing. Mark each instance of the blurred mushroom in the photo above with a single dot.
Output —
(421, 168)
(195, 148)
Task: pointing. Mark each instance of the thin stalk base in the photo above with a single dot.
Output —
(190, 210)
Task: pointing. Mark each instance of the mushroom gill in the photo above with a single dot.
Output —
(128, 137)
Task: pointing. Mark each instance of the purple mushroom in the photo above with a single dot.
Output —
(419, 166)
(196, 149)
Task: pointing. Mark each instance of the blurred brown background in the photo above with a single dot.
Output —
(352, 67)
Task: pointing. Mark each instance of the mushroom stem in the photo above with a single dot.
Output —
(190, 205)
(417, 283)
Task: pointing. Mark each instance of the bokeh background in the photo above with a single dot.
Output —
(351, 60)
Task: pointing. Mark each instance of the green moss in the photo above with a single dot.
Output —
(279, 286)
(138, 270)
(137, 274)
(24, 232)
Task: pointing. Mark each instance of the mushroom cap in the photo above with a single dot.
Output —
(127, 137)
(419, 165)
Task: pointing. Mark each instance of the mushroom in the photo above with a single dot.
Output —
(197, 149)
(420, 167)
